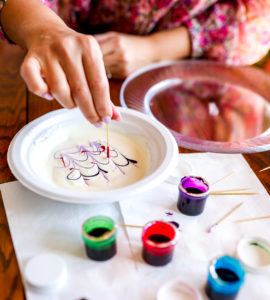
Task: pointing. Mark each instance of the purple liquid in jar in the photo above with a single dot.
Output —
(193, 192)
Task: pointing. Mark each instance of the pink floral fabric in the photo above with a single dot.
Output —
(233, 31)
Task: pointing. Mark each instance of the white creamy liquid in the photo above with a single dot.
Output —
(81, 163)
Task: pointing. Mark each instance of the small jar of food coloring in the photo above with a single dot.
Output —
(225, 278)
(193, 192)
(159, 239)
(99, 236)
(254, 253)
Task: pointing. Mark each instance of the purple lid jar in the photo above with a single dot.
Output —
(193, 192)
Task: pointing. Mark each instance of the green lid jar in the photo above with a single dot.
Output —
(99, 236)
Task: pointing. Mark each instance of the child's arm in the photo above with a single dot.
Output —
(59, 61)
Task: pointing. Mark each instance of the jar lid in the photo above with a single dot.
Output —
(178, 290)
(46, 272)
(254, 253)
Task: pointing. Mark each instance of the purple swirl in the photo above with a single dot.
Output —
(87, 161)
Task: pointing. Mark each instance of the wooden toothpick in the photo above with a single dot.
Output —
(265, 169)
(242, 191)
(131, 225)
(107, 137)
(223, 178)
(252, 219)
(223, 218)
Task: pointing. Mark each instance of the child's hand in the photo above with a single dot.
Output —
(68, 66)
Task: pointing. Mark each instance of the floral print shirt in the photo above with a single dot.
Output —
(233, 31)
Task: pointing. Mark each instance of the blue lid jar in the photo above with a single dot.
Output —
(225, 277)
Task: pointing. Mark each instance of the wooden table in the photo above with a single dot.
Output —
(17, 108)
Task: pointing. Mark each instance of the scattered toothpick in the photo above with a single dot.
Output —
(265, 169)
(242, 191)
(223, 178)
(131, 225)
(223, 218)
(233, 190)
(252, 219)
(107, 137)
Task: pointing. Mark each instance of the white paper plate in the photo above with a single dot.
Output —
(53, 128)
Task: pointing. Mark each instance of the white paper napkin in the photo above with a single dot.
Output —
(39, 225)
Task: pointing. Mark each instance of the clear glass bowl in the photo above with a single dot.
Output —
(206, 105)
